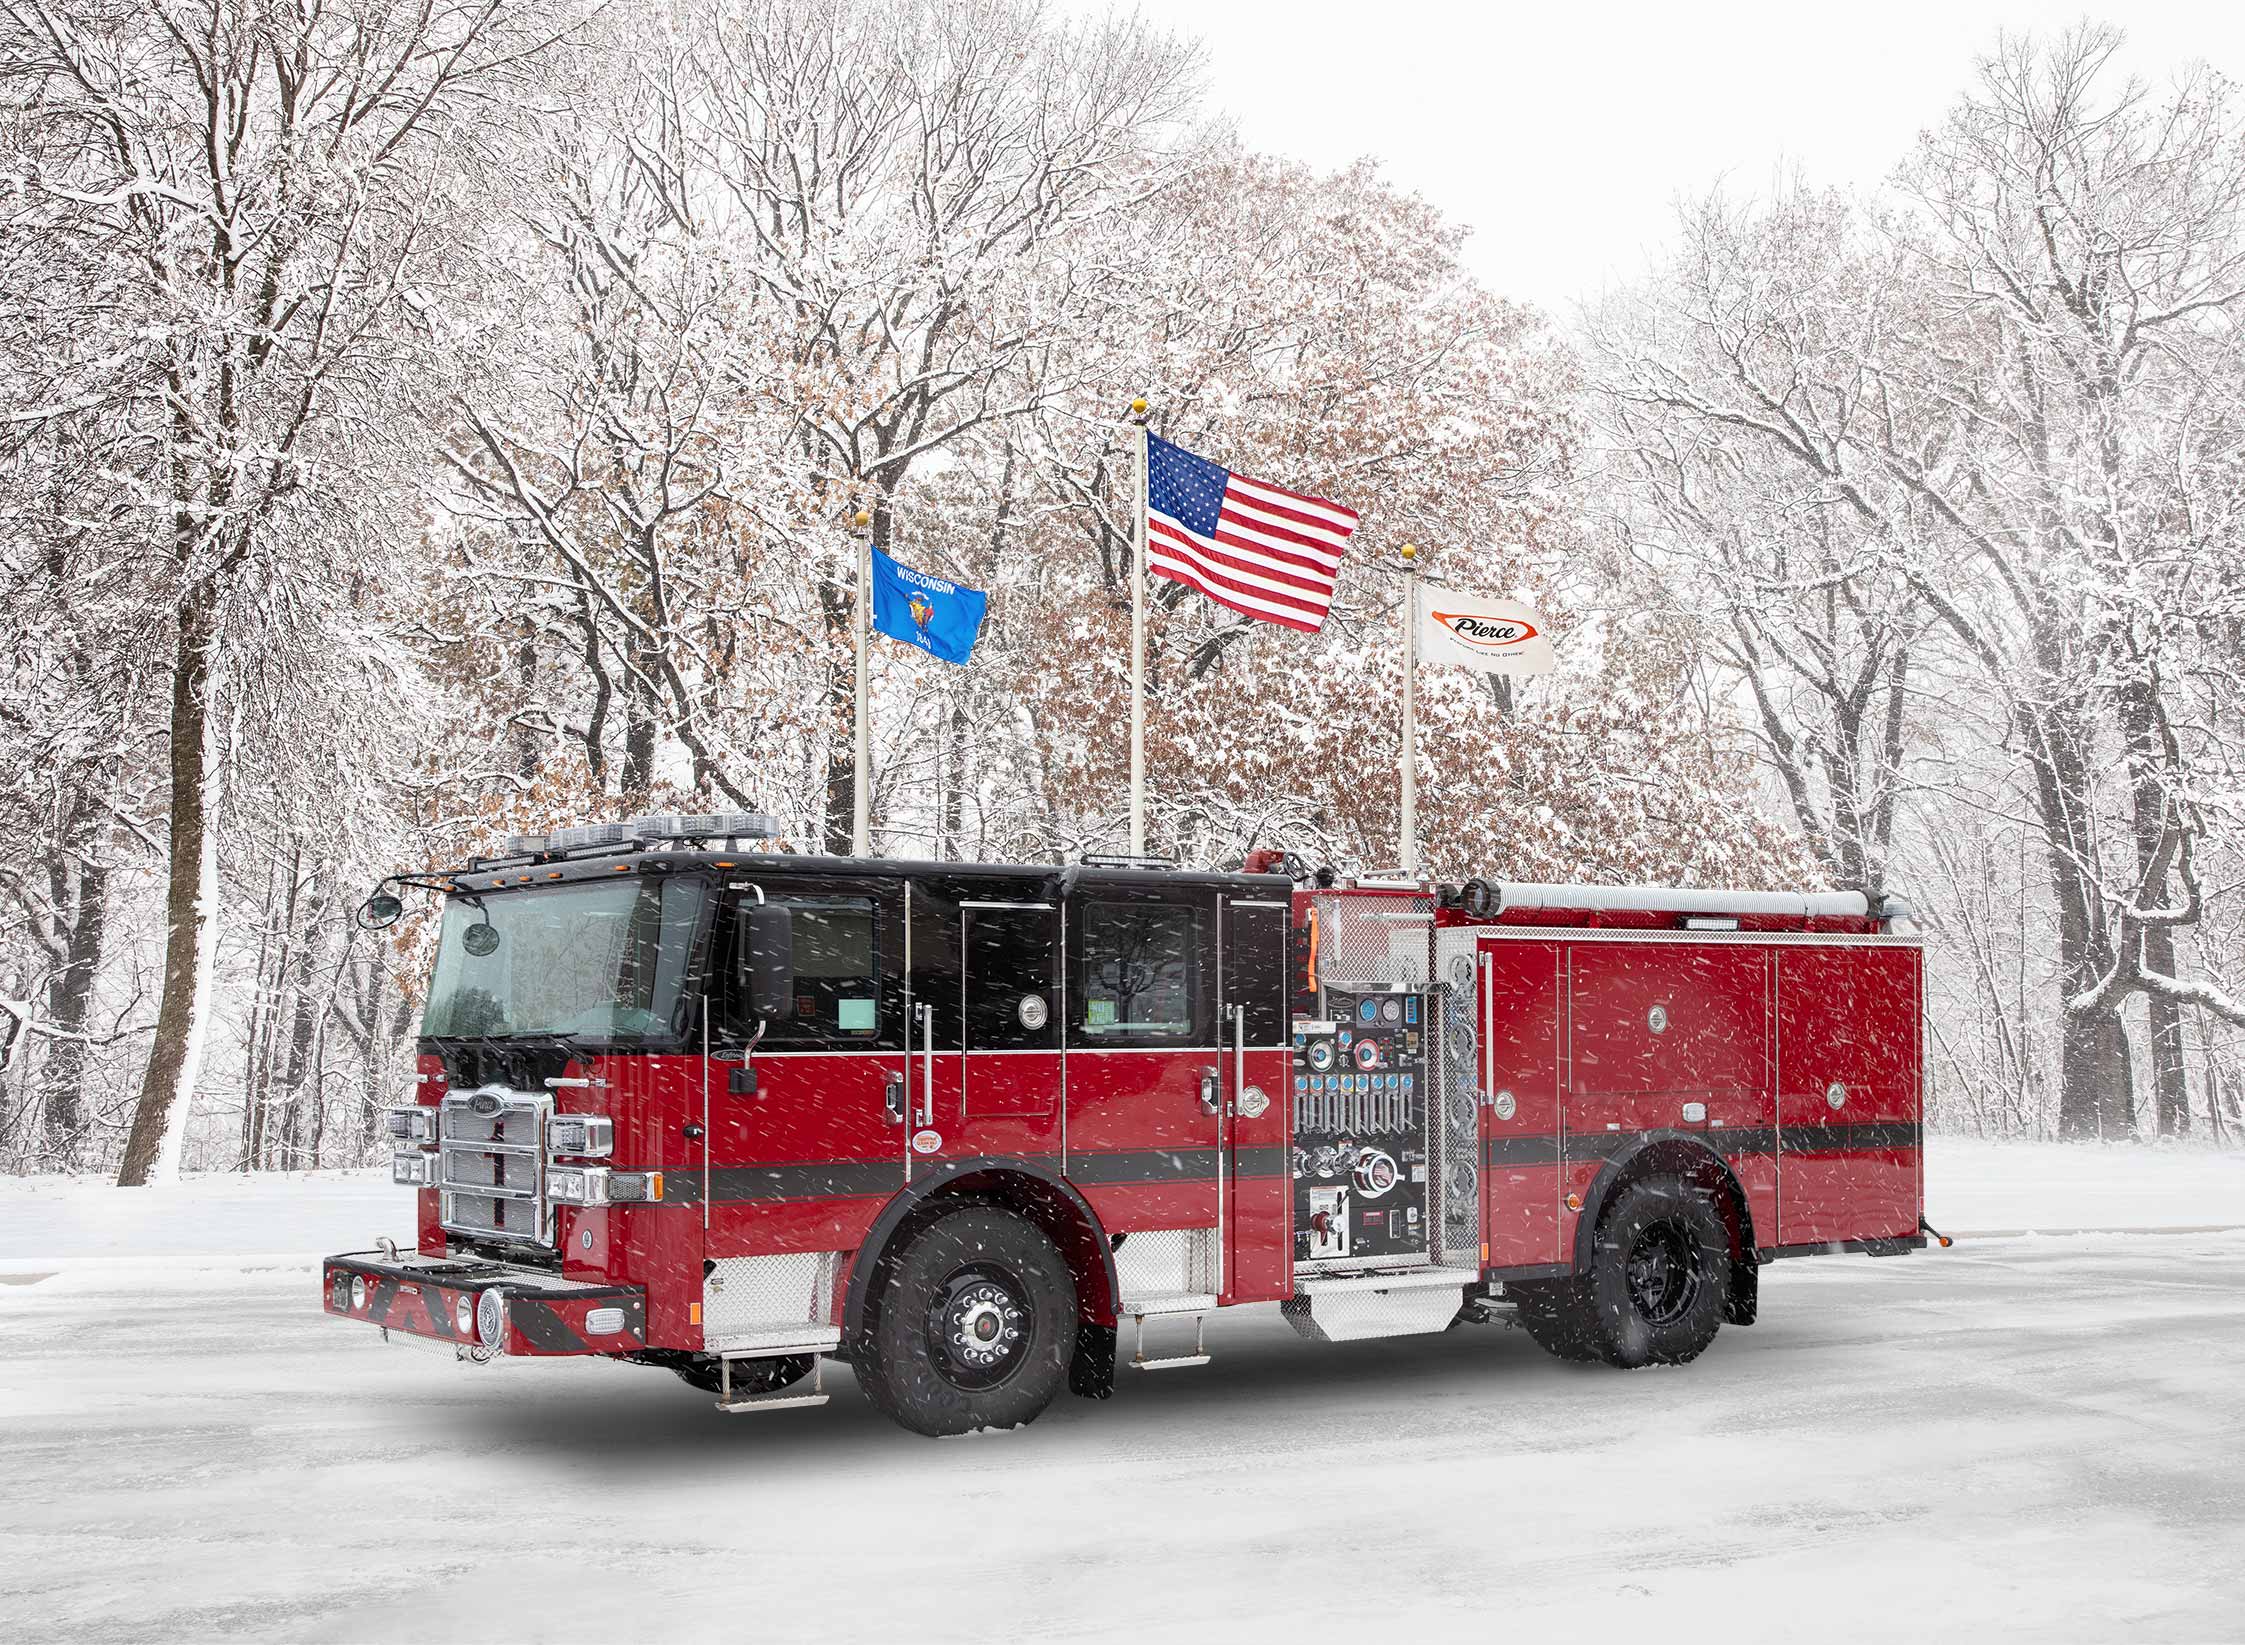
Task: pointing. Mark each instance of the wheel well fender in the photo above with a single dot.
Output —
(1029, 1191)
(1669, 1153)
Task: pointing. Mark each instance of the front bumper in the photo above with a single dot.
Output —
(534, 1313)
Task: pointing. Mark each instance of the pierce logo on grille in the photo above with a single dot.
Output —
(485, 1103)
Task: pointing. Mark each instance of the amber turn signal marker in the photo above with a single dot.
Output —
(693, 1313)
(1574, 1202)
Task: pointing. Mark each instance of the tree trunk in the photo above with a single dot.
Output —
(167, 1087)
(2170, 1081)
(2093, 1080)
(69, 1006)
(638, 774)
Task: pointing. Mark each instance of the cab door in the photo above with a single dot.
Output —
(1009, 971)
(1254, 1119)
(985, 1030)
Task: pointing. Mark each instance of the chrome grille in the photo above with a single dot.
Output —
(491, 1175)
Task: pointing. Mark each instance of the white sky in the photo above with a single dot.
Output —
(1562, 134)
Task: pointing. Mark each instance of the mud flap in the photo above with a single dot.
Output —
(1091, 1374)
(1746, 1292)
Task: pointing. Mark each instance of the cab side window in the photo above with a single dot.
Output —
(1140, 975)
(837, 997)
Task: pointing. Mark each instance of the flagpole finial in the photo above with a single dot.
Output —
(1138, 407)
(1409, 551)
(861, 519)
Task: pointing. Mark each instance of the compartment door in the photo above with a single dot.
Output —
(1518, 1039)
(1847, 1096)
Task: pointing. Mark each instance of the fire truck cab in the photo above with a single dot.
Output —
(739, 1113)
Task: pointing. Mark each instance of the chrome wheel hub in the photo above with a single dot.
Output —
(980, 1326)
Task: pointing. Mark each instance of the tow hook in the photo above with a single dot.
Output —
(1927, 1227)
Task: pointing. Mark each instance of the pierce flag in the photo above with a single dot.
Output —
(1474, 631)
(940, 617)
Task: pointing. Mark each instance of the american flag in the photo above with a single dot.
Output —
(1262, 550)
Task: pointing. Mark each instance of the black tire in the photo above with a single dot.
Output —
(974, 1326)
(1660, 1274)
(750, 1376)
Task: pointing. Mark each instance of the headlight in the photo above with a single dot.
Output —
(577, 1185)
(412, 1168)
(592, 1135)
(491, 1319)
(464, 1315)
(414, 1124)
(358, 1291)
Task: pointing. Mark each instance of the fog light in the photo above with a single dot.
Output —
(358, 1291)
(464, 1315)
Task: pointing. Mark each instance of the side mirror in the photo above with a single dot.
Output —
(767, 959)
(380, 910)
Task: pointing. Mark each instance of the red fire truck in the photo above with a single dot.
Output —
(738, 1112)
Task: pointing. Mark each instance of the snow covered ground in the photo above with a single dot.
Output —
(2027, 1438)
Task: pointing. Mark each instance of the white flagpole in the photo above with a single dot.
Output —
(1410, 825)
(861, 820)
(1138, 646)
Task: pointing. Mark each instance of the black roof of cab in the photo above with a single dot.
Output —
(504, 874)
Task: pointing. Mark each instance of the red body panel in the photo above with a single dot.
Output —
(1751, 1040)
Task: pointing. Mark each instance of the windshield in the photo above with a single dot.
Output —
(606, 959)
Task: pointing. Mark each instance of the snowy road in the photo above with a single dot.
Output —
(2021, 1439)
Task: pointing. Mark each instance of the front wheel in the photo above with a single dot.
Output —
(975, 1327)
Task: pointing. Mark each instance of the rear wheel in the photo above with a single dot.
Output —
(1660, 1270)
(975, 1326)
(1658, 1282)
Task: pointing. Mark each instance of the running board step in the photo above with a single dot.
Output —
(1170, 1362)
(770, 1402)
(750, 1403)
(1360, 1307)
(1182, 1302)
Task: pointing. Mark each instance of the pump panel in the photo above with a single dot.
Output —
(1360, 1131)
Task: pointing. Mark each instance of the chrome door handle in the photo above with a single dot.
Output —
(1211, 1090)
(893, 1097)
(927, 1066)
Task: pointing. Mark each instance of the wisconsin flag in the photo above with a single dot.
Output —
(938, 616)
